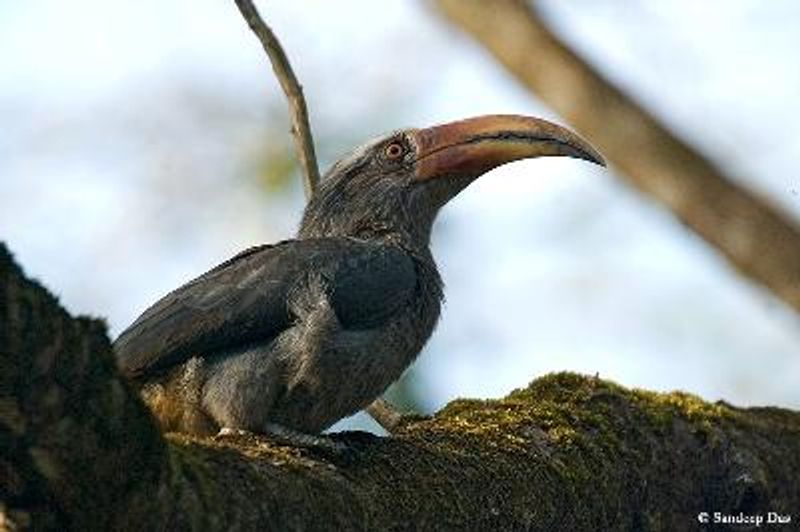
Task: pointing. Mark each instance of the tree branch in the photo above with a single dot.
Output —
(80, 452)
(757, 239)
(301, 130)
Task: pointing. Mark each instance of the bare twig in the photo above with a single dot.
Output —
(386, 415)
(301, 130)
(757, 239)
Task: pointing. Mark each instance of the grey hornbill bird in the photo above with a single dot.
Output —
(290, 337)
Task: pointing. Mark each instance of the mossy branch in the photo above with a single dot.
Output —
(301, 129)
(566, 453)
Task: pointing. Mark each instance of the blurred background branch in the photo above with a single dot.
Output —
(761, 242)
(301, 130)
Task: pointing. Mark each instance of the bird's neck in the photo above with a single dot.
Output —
(391, 229)
(414, 242)
(384, 226)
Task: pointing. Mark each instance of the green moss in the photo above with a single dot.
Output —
(580, 425)
(567, 452)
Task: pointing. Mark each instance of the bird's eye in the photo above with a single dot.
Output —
(394, 151)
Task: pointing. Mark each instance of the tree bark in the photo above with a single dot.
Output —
(80, 451)
(755, 238)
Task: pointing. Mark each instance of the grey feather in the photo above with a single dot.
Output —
(245, 299)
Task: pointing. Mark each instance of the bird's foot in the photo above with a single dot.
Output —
(318, 444)
(296, 438)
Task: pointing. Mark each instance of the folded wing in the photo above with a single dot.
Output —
(245, 299)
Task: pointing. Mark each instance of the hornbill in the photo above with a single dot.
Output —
(288, 338)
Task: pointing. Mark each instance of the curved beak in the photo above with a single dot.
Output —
(474, 146)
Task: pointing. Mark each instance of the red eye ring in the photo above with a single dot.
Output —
(395, 150)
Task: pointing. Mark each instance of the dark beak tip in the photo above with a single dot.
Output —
(597, 159)
(587, 154)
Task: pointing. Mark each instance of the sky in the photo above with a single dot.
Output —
(135, 134)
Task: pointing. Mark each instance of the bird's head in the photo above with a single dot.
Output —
(392, 187)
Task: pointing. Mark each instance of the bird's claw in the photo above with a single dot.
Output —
(322, 445)
(295, 438)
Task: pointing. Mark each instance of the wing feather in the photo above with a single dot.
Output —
(244, 300)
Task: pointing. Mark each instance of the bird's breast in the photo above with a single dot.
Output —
(332, 371)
